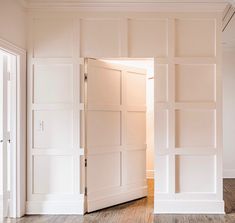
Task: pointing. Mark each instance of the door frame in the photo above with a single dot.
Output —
(83, 115)
(18, 159)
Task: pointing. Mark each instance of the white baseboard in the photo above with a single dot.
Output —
(188, 207)
(229, 173)
(150, 174)
(55, 207)
(117, 199)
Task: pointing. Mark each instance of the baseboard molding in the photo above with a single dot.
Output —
(55, 207)
(119, 198)
(188, 207)
(229, 173)
(150, 174)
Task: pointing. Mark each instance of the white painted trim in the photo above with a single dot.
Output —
(229, 173)
(150, 174)
(118, 198)
(55, 207)
(189, 207)
(19, 163)
(139, 6)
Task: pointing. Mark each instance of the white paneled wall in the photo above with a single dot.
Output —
(188, 120)
(188, 140)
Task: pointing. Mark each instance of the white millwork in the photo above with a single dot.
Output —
(116, 134)
(188, 137)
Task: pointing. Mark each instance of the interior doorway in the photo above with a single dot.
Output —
(8, 70)
(119, 131)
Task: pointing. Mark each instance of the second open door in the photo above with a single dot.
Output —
(115, 134)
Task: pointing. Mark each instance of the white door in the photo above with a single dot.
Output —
(4, 133)
(115, 134)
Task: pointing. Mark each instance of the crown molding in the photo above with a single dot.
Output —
(229, 13)
(130, 5)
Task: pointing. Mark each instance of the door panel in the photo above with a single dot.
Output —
(103, 128)
(116, 134)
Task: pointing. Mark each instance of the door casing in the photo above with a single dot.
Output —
(18, 129)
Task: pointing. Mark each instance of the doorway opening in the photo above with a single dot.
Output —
(119, 131)
(8, 70)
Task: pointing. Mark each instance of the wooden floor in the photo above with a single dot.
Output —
(141, 211)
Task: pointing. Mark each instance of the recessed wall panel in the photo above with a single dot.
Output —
(136, 128)
(53, 38)
(100, 37)
(103, 128)
(195, 37)
(134, 172)
(136, 89)
(53, 129)
(161, 129)
(103, 171)
(195, 174)
(53, 84)
(161, 83)
(102, 92)
(195, 128)
(195, 83)
(147, 37)
(53, 174)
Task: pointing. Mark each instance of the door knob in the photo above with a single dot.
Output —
(1, 140)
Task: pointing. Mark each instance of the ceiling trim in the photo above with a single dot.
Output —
(229, 13)
(131, 5)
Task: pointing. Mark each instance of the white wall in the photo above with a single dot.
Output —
(13, 22)
(229, 113)
(188, 143)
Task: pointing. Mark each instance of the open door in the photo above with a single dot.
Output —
(115, 134)
(4, 134)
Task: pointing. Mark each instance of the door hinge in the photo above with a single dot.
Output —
(85, 162)
(8, 137)
(85, 191)
(85, 76)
